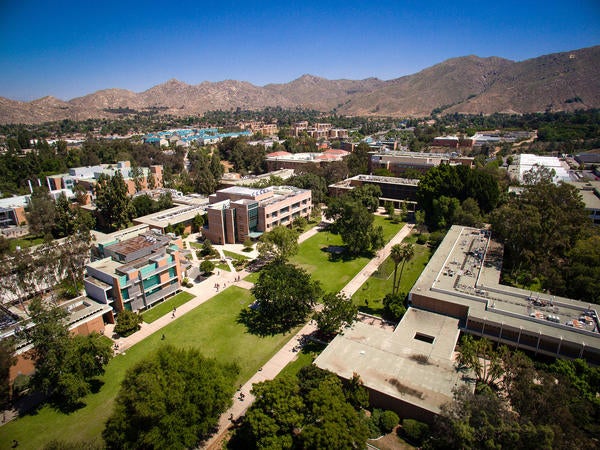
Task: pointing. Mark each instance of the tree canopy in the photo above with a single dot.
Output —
(310, 412)
(279, 244)
(64, 364)
(172, 399)
(547, 235)
(338, 311)
(113, 202)
(285, 295)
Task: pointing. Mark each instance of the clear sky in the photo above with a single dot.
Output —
(72, 48)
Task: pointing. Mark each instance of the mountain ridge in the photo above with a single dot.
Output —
(465, 84)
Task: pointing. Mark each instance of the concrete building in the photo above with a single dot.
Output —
(525, 162)
(399, 191)
(285, 160)
(409, 369)
(136, 272)
(237, 213)
(398, 162)
(88, 176)
(446, 141)
(590, 194)
(235, 179)
(462, 280)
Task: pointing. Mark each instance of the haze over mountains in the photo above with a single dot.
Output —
(470, 84)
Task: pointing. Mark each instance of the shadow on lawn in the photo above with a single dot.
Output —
(260, 325)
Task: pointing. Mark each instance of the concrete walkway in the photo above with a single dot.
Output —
(289, 351)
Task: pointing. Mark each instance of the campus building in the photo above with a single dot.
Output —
(462, 280)
(136, 270)
(398, 191)
(285, 160)
(88, 176)
(237, 213)
(398, 162)
(525, 162)
(412, 368)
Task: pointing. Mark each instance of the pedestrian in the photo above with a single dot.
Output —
(173, 315)
(162, 338)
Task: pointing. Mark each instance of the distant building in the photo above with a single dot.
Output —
(235, 179)
(138, 268)
(446, 141)
(398, 191)
(285, 160)
(525, 162)
(237, 213)
(319, 130)
(399, 162)
(185, 136)
(88, 176)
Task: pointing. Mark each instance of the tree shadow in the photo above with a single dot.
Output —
(259, 325)
(95, 385)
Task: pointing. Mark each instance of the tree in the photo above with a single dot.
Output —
(197, 223)
(279, 244)
(309, 411)
(394, 306)
(338, 311)
(65, 220)
(7, 360)
(172, 399)
(113, 204)
(312, 181)
(284, 295)
(137, 175)
(207, 267)
(128, 322)
(358, 160)
(400, 253)
(479, 356)
(42, 212)
(64, 365)
(354, 223)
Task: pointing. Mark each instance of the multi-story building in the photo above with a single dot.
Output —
(237, 213)
(88, 176)
(136, 272)
(400, 162)
(398, 191)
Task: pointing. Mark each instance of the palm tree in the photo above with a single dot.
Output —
(408, 251)
(396, 255)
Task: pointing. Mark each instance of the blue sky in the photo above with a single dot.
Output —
(68, 49)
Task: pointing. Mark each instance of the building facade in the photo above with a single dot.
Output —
(135, 273)
(237, 213)
(400, 162)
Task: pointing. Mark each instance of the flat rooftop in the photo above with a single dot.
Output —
(465, 270)
(177, 214)
(414, 362)
(135, 244)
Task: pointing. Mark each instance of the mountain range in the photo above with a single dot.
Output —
(470, 84)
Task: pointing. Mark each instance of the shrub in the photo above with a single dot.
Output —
(422, 238)
(128, 323)
(394, 307)
(436, 238)
(388, 420)
(414, 431)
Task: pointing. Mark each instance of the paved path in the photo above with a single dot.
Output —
(288, 352)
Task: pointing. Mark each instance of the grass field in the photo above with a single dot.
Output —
(24, 242)
(212, 328)
(166, 307)
(305, 358)
(380, 283)
(334, 275)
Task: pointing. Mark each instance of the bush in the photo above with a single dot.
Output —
(388, 420)
(436, 238)
(128, 323)
(422, 238)
(394, 307)
(414, 431)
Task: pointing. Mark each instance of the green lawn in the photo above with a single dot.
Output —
(166, 307)
(305, 358)
(380, 283)
(235, 255)
(334, 275)
(212, 328)
(24, 242)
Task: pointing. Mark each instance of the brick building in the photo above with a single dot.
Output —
(237, 213)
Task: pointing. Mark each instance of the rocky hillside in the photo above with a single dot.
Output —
(560, 81)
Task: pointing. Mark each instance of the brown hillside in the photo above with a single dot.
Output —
(561, 81)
